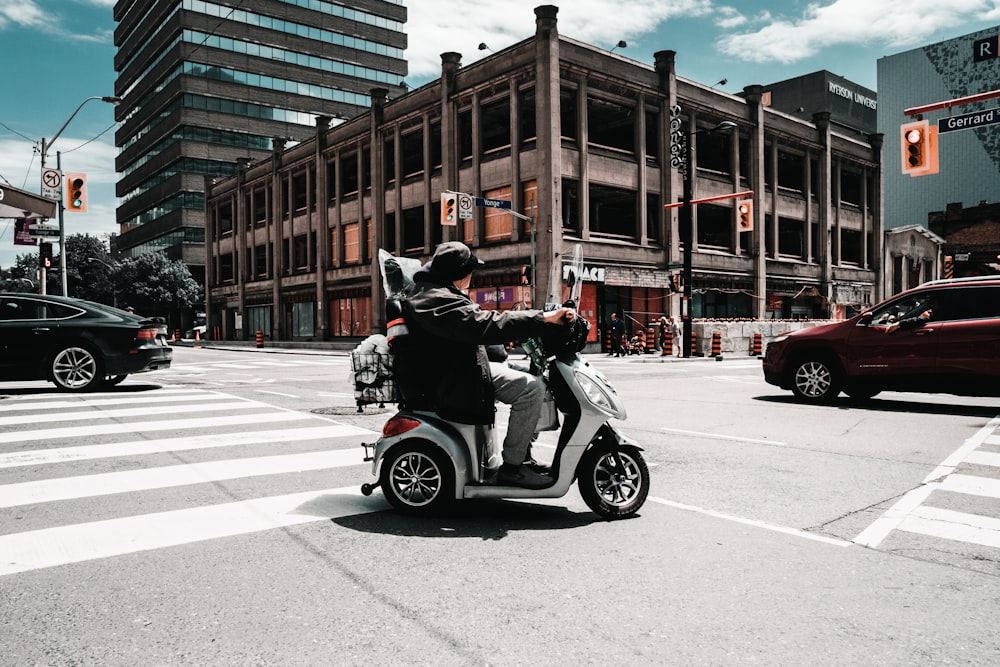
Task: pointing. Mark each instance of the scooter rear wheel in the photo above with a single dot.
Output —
(614, 484)
(417, 477)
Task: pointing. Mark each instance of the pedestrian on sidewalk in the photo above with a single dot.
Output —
(617, 328)
(675, 336)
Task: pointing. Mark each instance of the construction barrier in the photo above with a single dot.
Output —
(668, 346)
(651, 336)
(758, 344)
(177, 334)
(694, 344)
(260, 338)
(716, 344)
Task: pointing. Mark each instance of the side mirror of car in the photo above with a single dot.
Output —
(865, 319)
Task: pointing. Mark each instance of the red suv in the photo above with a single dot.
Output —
(940, 337)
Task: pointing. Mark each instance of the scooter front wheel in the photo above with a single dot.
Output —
(613, 483)
(417, 477)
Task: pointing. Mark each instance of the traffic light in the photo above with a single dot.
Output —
(744, 215)
(76, 192)
(918, 147)
(45, 255)
(449, 208)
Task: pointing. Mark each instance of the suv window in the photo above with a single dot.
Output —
(970, 303)
(916, 305)
(15, 308)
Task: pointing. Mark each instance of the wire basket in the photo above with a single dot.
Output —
(371, 373)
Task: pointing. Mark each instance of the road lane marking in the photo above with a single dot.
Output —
(50, 547)
(141, 447)
(984, 459)
(949, 464)
(971, 485)
(719, 436)
(795, 532)
(165, 425)
(128, 481)
(129, 399)
(276, 393)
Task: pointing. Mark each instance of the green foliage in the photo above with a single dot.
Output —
(155, 285)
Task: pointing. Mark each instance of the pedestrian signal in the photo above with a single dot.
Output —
(76, 192)
(918, 145)
(744, 215)
(449, 208)
(45, 255)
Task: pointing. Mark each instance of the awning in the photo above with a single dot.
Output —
(16, 203)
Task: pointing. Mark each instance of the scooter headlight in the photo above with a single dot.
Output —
(596, 393)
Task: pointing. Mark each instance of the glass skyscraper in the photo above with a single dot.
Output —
(207, 84)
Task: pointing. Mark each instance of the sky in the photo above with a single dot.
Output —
(54, 54)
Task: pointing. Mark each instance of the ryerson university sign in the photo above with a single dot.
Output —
(849, 94)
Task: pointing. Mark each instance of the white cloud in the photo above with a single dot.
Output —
(21, 13)
(846, 22)
(435, 27)
(729, 18)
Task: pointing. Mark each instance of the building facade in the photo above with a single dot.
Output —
(582, 142)
(206, 83)
(968, 154)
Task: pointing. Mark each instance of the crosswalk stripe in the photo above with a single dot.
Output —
(129, 400)
(62, 545)
(968, 484)
(140, 447)
(240, 404)
(165, 425)
(984, 458)
(106, 484)
(950, 525)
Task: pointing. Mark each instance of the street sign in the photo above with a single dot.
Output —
(43, 230)
(493, 203)
(968, 121)
(465, 203)
(52, 184)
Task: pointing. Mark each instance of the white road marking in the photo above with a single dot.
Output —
(165, 425)
(129, 399)
(950, 525)
(141, 447)
(908, 505)
(237, 404)
(719, 436)
(49, 547)
(276, 393)
(105, 484)
(752, 522)
(984, 458)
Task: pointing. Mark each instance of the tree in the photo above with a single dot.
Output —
(155, 285)
(90, 270)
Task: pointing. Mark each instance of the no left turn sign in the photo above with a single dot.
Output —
(52, 183)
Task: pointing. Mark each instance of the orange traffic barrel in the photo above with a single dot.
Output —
(260, 338)
(694, 344)
(668, 346)
(758, 341)
(716, 344)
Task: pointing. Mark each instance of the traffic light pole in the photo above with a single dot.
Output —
(62, 234)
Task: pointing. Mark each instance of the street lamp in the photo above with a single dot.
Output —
(110, 99)
(687, 232)
(114, 292)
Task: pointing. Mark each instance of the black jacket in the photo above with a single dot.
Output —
(442, 365)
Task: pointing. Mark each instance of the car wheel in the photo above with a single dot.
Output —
(418, 477)
(76, 368)
(815, 379)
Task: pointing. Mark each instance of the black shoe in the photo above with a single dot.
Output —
(535, 466)
(522, 476)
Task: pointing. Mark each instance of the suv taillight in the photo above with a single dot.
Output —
(146, 334)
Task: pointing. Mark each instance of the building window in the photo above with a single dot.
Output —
(715, 226)
(413, 230)
(331, 181)
(349, 316)
(349, 175)
(791, 238)
(850, 188)
(652, 136)
(260, 262)
(610, 125)
(495, 124)
(389, 161)
(571, 205)
(303, 319)
(653, 212)
(411, 147)
(465, 134)
(259, 206)
(526, 116)
(300, 192)
(259, 319)
(791, 172)
(435, 156)
(568, 123)
(352, 244)
(529, 205)
(227, 268)
(850, 246)
(612, 212)
(389, 229)
(225, 218)
(366, 168)
(301, 252)
(497, 223)
(713, 151)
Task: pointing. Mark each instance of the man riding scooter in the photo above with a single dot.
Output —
(445, 366)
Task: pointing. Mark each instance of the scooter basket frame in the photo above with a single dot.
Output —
(373, 380)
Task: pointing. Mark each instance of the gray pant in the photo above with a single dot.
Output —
(524, 393)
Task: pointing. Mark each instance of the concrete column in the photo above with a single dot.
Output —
(878, 233)
(670, 186)
(322, 226)
(824, 201)
(277, 228)
(755, 178)
(450, 63)
(243, 239)
(547, 107)
(379, 97)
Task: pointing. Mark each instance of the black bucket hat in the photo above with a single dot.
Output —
(453, 260)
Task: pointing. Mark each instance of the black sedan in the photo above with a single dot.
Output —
(78, 345)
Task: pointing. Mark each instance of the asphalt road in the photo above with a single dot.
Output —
(210, 515)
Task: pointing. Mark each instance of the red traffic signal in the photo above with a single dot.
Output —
(744, 215)
(918, 148)
(449, 206)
